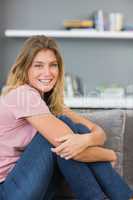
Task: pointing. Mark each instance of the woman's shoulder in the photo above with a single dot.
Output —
(25, 101)
(22, 93)
(23, 90)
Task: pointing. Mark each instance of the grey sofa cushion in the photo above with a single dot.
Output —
(113, 122)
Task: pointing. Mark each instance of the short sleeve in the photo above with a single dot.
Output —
(26, 101)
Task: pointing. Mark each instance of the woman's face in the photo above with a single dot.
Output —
(43, 72)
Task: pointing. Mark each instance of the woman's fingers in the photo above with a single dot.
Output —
(72, 145)
(59, 149)
(63, 144)
(64, 155)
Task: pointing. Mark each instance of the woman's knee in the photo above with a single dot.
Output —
(76, 127)
(68, 122)
(66, 119)
(81, 128)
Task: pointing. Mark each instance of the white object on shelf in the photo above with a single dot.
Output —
(99, 102)
(113, 92)
(70, 34)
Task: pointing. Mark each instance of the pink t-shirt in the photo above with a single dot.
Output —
(15, 131)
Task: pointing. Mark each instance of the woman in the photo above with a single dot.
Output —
(37, 131)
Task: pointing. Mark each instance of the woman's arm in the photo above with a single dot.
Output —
(62, 137)
(95, 154)
(97, 135)
(50, 127)
(59, 134)
(73, 147)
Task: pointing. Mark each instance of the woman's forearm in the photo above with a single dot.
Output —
(95, 154)
(97, 136)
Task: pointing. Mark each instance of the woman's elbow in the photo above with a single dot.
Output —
(103, 136)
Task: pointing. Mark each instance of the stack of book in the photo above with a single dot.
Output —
(78, 24)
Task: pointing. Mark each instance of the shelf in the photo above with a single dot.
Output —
(70, 34)
(99, 102)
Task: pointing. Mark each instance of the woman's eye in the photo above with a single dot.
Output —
(54, 65)
(38, 66)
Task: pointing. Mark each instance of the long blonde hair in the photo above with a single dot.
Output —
(18, 74)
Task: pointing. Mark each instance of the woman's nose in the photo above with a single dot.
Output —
(46, 70)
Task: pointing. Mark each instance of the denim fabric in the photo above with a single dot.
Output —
(79, 177)
(109, 180)
(31, 176)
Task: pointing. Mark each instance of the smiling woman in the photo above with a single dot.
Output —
(38, 131)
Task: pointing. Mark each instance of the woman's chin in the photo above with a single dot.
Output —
(44, 90)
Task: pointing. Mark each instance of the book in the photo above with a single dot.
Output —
(68, 24)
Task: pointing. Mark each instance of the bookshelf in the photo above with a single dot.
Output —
(70, 34)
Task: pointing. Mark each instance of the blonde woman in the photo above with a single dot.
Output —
(37, 131)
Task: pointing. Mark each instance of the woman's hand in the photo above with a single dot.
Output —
(71, 145)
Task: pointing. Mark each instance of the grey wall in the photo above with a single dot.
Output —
(96, 61)
(1, 40)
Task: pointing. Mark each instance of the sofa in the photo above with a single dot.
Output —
(118, 125)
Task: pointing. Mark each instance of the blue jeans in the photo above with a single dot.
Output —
(96, 176)
(33, 177)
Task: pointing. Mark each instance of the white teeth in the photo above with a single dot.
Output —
(45, 81)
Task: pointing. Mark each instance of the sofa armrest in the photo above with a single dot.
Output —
(128, 149)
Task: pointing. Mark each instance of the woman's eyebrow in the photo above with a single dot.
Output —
(41, 62)
(54, 61)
